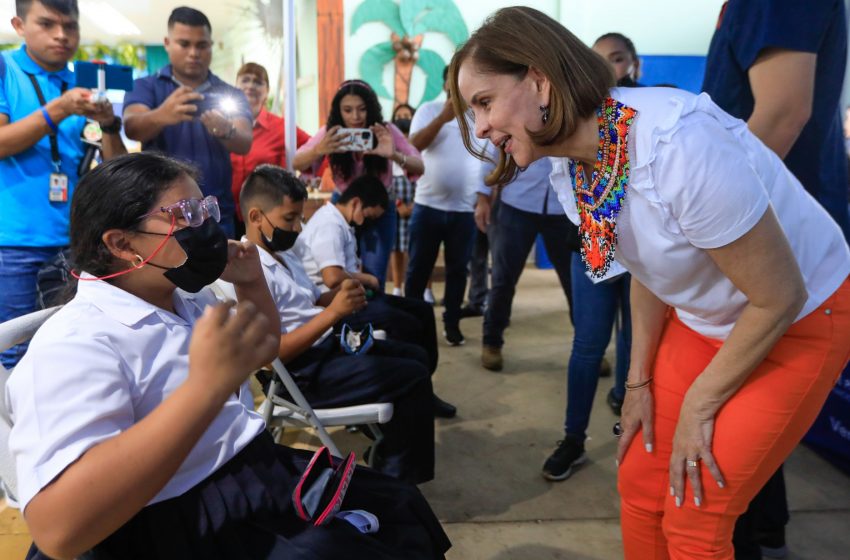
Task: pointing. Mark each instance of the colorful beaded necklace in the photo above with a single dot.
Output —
(600, 202)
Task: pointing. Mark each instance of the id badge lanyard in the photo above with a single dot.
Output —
(58, 180)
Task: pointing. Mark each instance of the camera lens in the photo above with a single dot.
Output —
(365, 135)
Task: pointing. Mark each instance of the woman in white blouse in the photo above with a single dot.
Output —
(740, 298)
(134, 432)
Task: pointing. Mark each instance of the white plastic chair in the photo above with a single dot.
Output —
(279, 412)
(13, 332)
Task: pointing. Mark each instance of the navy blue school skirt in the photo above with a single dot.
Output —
(244, 511)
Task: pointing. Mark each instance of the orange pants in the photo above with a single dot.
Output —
(755, 431)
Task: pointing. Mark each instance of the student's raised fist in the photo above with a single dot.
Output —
(243, 263)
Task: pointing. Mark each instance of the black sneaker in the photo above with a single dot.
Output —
(442, 409)
(453, 335)
(468, 311)
(569, 455)
(615, 403)
(773, 543)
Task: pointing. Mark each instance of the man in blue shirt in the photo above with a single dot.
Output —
(187, 112)
(779, 64)
(42, 116)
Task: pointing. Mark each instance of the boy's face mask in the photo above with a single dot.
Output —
(281, 240)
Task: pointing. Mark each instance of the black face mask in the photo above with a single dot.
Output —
(206, 256)
(281, 240)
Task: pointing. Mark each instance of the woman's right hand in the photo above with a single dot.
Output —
(230, 341)
(637, 414)
(330, 143)
(351, 297)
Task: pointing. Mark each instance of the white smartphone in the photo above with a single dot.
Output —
(355, 139)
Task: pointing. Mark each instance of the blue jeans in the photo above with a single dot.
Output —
(376, 242)
(18, 277)
(429, 228)
(595, 309)
(513, 232)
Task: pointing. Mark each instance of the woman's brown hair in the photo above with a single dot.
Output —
(255, 70)
(518, 38)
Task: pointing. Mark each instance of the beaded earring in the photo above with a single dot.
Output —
(545, 110)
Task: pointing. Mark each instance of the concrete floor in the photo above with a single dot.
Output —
(489, 493)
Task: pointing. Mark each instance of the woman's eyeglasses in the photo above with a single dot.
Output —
(191, 211)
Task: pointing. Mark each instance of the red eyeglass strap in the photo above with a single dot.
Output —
(159, 247)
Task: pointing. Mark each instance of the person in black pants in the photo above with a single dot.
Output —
(527, 208)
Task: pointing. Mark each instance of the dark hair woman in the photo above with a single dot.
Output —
(134, 428)
(356, 105)
(621, 54)
(740, 294)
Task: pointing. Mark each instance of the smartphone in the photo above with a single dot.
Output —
(223, 102)
(117, 76)
(355, 139)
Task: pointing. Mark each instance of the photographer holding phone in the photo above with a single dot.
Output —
(186, 111)
(355, 105)
(42, 116)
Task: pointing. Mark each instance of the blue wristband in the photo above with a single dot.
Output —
(50, 122)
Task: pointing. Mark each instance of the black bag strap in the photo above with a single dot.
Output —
(54, 143)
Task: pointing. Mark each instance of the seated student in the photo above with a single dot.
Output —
(328, 250)
(272, 202)
(134, 433)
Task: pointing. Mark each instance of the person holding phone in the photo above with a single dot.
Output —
(42, 116)
(186, 111)
(356, 105)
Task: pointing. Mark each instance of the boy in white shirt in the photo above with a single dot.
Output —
(272, 202)
(328, 249)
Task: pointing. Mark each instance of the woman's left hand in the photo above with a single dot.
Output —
(385, 147)
(692, 442)
(243, 263)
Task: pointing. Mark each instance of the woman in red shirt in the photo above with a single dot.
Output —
(268, 145)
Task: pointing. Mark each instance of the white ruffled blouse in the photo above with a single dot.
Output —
(701, 180)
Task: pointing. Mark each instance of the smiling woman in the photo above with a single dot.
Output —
(740, 292)
(524, 50)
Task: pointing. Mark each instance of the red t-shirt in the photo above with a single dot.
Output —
(268, 147)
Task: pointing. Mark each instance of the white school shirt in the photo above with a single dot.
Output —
(98, 366)
(327, 240)
(293, 292)
(701, 180)
(451, 175)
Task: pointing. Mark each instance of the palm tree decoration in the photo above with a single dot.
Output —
(409, 21)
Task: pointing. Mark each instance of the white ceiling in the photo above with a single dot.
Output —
(150, 16)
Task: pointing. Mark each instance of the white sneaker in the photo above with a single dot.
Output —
(397, 292)
(428, 296)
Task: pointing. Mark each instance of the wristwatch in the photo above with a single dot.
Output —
(113, 128)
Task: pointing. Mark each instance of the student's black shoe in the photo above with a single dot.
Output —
(773, 544)
(468, 311)
(442, 409)
(615, 403)
(453, 335)
(561, 464)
